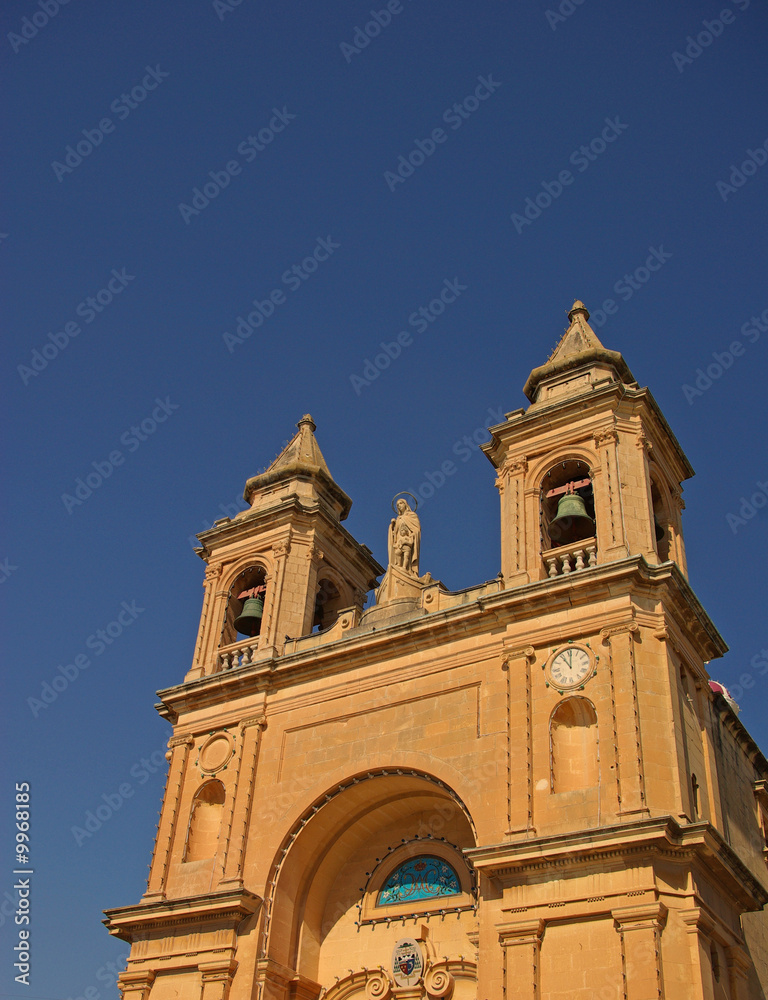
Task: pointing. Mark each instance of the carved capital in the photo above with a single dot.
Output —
(524, 652)
(213, 571)
(254, 720)
(642, 442)
(677, 497)
(181, 741)
(605, 436)
(606, 634)
(281, 548)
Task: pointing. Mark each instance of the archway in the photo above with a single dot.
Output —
(325, 916)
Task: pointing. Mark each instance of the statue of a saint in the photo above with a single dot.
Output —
(404, 539)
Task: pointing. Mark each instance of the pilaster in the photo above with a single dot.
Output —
(620, 640)
(517, 665)
(241, 806)
(640, 929)
(166, 827)
(521, 944)
(135, 985)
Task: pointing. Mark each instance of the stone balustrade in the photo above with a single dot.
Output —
(571, 558)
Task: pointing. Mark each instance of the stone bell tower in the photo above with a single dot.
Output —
(291, 545)
(527, 789)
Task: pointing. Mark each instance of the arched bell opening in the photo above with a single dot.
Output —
(328, 603)
(326, 903)
(567, 504)
(662, 520)
(245, 606)
(205, 822)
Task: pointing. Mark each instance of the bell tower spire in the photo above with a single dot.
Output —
(290, 552)
(590, 472)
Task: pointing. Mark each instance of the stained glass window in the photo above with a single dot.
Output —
(425, 877)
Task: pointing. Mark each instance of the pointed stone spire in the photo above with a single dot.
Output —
(300, 462)
(302, 449)
(578, 348)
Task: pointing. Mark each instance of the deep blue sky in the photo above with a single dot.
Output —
(218, 79)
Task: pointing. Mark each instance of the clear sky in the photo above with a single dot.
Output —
(169, 166)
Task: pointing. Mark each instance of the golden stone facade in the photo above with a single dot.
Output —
(528, 789)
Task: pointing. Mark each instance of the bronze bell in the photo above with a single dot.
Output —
(571, 522)
(248, 621)
(658, 529)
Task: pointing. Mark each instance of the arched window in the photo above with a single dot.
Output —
(205, 821)
(662, 520)
(567, 504)
(328, 602)
(423, 877)
(250, 583)
(573, 742)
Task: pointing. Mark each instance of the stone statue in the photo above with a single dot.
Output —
(402, 582)
(404, 539)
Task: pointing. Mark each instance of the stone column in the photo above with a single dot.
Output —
(135, 985)
(629, 770)
(166, 827)
(517, 664)
(511, 485)
(268, 636)
(609, 513)
(205, 648)
(242, 798)
(640, 928)
(521, 944)
(217, 978)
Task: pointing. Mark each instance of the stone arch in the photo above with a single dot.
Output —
(664, 526)
(574, 747)
(552, 473)
(318, 877)
(332, 595)
(253, 575)
(205, 821)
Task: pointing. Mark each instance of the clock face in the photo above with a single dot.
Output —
(570, 667)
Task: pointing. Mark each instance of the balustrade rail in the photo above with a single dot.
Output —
(571, 558)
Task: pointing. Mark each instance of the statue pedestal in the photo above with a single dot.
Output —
(398, 585)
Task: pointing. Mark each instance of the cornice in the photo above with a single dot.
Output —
(483, 616)
(129, 921)
(659, 836)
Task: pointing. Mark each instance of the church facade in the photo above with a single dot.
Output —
(527, 789)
